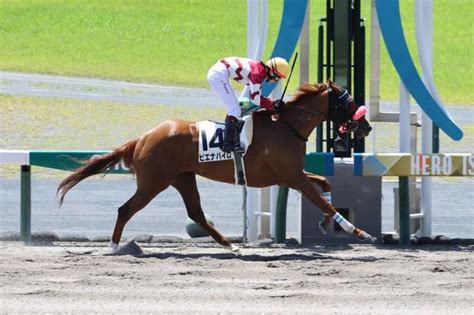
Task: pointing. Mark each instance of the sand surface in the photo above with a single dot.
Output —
(205, 278)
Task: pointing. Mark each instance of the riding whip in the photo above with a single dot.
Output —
(289, 77)
(276, 116)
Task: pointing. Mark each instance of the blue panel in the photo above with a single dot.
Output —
(329, 163)
(388, 12)
(321, 163)
(291, 23)
(358, 164)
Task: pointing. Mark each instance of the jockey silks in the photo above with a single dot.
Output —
(243, 70)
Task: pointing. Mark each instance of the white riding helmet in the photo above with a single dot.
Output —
(279, 66)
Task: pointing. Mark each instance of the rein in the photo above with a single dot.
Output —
(308, 110)
(293, 129)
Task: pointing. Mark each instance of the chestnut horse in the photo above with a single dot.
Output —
(168, 156)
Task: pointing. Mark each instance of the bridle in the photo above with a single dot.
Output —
(296, 132)
(341, 110)
(344, 118)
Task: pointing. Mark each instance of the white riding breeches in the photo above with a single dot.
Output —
(218, 77)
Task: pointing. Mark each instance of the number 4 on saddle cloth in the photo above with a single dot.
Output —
(211, 139)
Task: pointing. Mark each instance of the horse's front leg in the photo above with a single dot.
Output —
(325, 185)
(305, 185)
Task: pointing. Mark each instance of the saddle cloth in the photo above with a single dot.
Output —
(211, 138)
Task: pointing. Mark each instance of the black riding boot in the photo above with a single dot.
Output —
(231, 135)
(237, 147)
(229, 131)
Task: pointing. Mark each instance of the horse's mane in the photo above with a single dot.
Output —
(305, 90)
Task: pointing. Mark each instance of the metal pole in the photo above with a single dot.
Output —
(329, 68)
(319, 129)
(262, 35)
(25, 204)
(276, 219)
(280, 235)
(273, 206)
(374, 64)
(304, 48)
(265, 212)
(435, 139)
(359, 67)
(256, 35)
(251, 219)
(405, 146)
(404, 211)
(424, 35)
(256, 38)
(252, 27)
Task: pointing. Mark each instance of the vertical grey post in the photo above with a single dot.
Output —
(319, 129)
(244, 212)
(342, 43)
(304, 48)
(342, 25)
(435, 138)
(25, 204)
(404, 210)
(282, 200)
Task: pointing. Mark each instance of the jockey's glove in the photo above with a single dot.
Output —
(278, 105)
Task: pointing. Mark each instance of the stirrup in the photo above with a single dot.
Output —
(238, 149)
(228, 148)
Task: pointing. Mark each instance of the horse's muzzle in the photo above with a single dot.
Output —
(363, 132)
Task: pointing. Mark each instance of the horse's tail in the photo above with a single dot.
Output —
(98, 164)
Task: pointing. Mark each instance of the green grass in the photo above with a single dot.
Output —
(28, 123)
(49, 124)
(175, 42)
(143, 41)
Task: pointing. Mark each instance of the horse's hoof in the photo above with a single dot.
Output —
(109, 251)
(113, 247)
(106, 251)
(372, 240)
(367, 238)
(234, 249)
(322, 227)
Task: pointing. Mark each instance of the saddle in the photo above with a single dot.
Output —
(211, 139)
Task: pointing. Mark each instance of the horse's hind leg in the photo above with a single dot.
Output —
(186, 185)
(143, 195)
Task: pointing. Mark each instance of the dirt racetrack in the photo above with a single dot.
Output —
(205, 278)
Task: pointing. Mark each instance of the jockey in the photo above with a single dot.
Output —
(249, 72)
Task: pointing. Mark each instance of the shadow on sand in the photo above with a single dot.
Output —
(260, 258)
